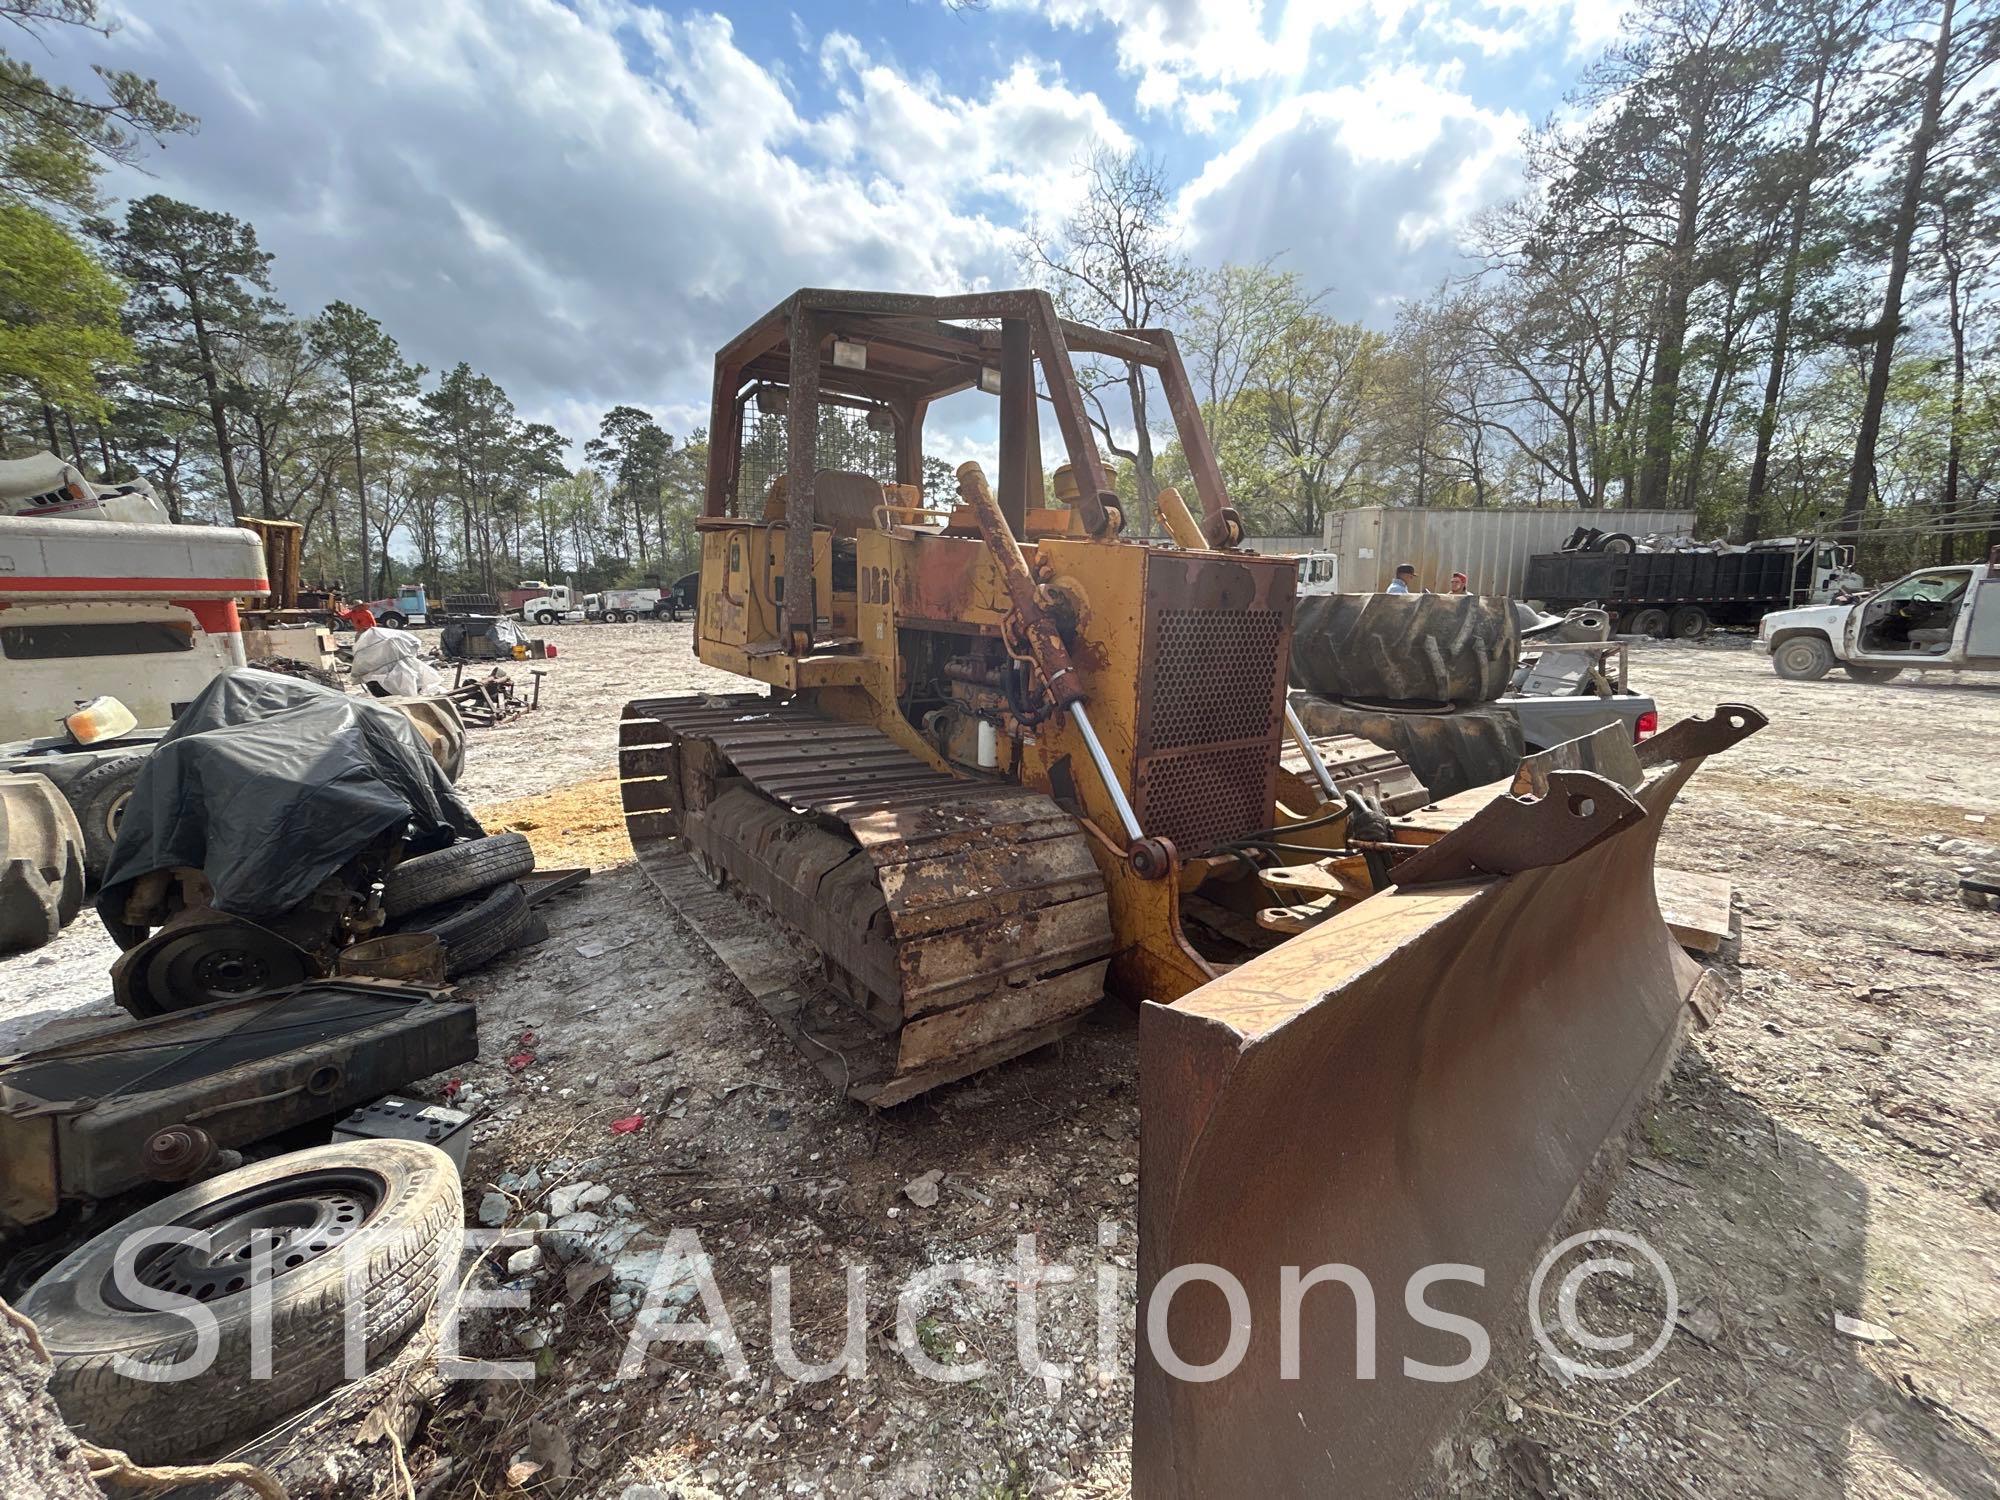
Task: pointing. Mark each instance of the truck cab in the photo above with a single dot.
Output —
(410, 606)
(1319, 573)
(1935, 619)
(555, 602)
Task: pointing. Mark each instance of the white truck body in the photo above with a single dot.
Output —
(637, 604)
(145, 614)
(1935, 619)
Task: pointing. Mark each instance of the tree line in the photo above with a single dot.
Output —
(150, 345)
(1751, 274)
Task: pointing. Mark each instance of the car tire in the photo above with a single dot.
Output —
(394, 1213)
(1871, 674)
(1617, 543)
(1688, 623)
(456, 870)
(475, 930)
(98, 798)
(1651, 622)
(545, 617)
(1803, 658)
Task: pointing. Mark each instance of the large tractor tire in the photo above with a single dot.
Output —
(1399, 648)
(386, 1216)
(41, 863)
(1448, 750)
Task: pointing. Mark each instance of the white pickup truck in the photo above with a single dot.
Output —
(1936, 619)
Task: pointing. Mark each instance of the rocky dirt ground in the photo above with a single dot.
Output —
(1819, 1174)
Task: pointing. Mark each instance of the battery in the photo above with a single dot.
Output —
(399, 1119)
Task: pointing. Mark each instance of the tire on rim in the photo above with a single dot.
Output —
(1651, 622)
(456, 870)
(395, 620)
(389, 1215)
(545, 617)
(98, 798)
(1803, 658)
(475, 930)
(1688, 623)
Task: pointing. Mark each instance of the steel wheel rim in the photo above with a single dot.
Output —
(256, 1235)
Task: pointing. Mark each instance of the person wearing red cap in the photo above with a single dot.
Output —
(1458, 583)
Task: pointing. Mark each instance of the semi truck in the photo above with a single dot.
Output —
(1684, 593)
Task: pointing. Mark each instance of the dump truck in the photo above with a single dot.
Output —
(1683, 593)
(997, 759)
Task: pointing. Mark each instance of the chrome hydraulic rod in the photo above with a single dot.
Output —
(1103, 762)
(1312, 753)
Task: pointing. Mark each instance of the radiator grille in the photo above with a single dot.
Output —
(1199, 798)
(1211, 696)
(1207, 676)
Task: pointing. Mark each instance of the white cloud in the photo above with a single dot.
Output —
(585, 200)
(1366, 189)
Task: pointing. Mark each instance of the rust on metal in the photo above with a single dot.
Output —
(963, 921)
(1512, 832)
(1425, 1079)
(1034, 621)
(1215, 638)
(1699, 735)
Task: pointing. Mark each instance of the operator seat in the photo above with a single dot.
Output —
(843, 501)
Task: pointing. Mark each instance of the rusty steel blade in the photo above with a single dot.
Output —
(1427, 1079)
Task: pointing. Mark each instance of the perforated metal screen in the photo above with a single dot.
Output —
(1210, 698)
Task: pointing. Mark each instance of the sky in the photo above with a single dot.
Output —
(584, 199)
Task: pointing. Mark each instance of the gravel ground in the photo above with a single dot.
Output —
(1827, 1149)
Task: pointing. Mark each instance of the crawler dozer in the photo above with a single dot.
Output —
(996, 757)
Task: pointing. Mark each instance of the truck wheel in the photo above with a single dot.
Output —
(1651, 622)
(545, 617)
(394, 620)
(1617, 543)
(390, 1212)
(456, 870)
(475, 930)
(1688, 623)
(1871, 674)
(1803, 658)
(99, 797)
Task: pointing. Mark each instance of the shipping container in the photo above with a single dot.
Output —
(1491, 547)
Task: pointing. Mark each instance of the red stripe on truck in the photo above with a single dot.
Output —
(164, 587)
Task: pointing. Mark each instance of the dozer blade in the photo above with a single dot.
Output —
(1425, 1080)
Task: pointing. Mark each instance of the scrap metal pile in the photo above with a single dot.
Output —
(1008, 759)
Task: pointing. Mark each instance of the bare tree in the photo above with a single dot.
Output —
(1116, 262)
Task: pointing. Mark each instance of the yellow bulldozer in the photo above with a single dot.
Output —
(996, 758)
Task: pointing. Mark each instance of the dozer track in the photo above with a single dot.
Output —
(959, 922)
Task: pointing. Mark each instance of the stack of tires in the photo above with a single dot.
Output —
(1414, 673)
(469, 896)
